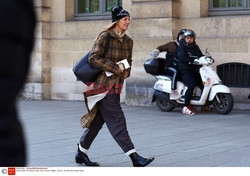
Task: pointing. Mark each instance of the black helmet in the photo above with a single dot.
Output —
(189, 32)
(181, 32)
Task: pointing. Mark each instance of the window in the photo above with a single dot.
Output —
(94, 9)
(229, 7)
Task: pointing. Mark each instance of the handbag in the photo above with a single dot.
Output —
(83, 69)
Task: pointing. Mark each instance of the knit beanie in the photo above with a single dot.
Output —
(118, 13)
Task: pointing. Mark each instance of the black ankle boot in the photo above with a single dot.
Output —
(139, 161)
(83, 158)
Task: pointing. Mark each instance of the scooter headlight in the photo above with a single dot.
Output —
(209, 60)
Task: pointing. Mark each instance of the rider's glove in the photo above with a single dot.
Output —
(154, 54)
(196, 62)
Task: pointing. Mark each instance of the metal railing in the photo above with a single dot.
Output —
(235, 74)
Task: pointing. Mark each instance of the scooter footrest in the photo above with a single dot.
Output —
(195, 98)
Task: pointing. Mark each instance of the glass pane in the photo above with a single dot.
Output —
(235, 3)
(88, 6)
(83, 6)
(112, 3)
(120, 2)
(94, 6)
(219, 3)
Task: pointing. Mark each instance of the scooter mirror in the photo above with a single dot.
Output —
(206, 52)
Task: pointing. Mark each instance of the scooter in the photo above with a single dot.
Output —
(169, 93)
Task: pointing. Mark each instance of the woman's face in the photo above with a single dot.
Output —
(122, 24)
(189, 39)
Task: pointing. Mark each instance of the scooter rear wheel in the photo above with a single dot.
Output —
(223, 103)
(164, 106)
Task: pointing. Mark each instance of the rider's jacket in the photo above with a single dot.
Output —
(184, 53)
(171, 48)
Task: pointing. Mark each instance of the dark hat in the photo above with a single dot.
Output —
(118, 13)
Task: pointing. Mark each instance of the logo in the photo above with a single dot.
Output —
(99, 88)
(4, 171)
(11, 171)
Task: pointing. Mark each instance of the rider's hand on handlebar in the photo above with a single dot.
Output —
(154, 54)
(196, 62)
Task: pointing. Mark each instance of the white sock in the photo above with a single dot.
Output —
(82, 149)
(130, 151)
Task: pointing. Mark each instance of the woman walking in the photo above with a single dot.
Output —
(107, 108)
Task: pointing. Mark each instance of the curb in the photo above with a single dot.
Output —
(242, 106)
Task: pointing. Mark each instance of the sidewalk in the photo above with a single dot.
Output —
(52, 130)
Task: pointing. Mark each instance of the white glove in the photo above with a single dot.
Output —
(154, 54)
(196, 62)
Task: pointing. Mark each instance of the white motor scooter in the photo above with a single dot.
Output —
(168, 96)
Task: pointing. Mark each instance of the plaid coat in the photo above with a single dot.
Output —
(119, 49)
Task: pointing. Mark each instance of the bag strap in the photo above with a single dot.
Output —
(107, 45)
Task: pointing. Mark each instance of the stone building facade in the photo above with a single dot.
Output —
(62, 39)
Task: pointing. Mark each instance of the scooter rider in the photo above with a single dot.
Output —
(171, 47)
(187, 51)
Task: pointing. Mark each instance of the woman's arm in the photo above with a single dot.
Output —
(98, 60)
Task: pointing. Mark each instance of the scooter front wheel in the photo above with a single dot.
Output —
(223, 103)
(164, 106)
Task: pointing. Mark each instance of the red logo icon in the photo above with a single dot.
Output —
(11, 171)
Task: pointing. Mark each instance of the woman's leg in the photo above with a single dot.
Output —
(87, 139)
(115, 120)
(91, 132)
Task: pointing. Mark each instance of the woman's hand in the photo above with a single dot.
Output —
(120, 71)
(125, 74)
